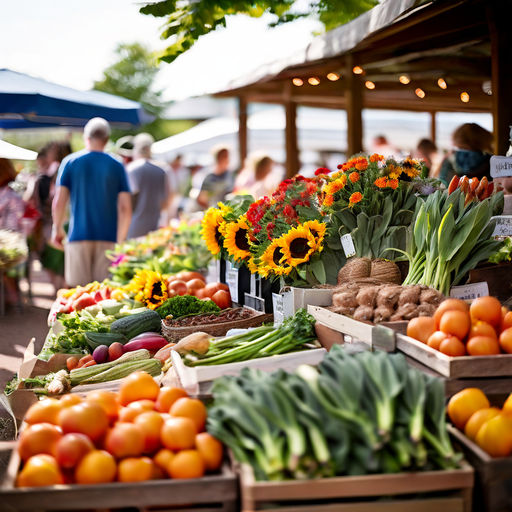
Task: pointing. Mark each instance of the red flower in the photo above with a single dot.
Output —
(322, 170)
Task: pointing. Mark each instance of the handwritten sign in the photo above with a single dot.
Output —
(470, 291)
(501, 166)
(232, 281)
(278, 307)
(348, 245)
(503, 226)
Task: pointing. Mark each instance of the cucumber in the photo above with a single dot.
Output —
(132, 325)
(95, 339)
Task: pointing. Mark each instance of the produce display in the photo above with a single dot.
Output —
(13, 249)
(481, 329)
(185, 305)
(490, 427)
(472, 188)
(353, 415)
(227, 315)
(141, 433)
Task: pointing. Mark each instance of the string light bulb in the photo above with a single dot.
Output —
(404, 79)
(333, 77)
(357, 70)
(313, 80)
(297, 82)
(369, 85)
(420, 93)
(441, 83)
(464, 97)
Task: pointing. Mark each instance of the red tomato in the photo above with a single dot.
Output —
(200, 293)
(177, 288)
(188, 276)
(222, 298)
(210, 289)
(193, 285)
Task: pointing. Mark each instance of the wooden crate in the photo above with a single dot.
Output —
(215, 493)
(455, 367)
(402, 492)
(493, 476)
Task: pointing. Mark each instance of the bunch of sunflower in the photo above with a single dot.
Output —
(148, 287)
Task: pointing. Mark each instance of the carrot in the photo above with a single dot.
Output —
(84, 360)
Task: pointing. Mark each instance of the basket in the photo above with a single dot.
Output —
(174, 334)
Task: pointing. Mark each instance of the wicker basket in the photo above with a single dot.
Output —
(174, 334)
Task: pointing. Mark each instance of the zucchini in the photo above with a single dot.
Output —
(132, 325)
(151, 366)
(95, 339)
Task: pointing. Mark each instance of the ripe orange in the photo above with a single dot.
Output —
(464, 404)
(186, 464)
(71, 448)
(70, 399)
(162, 459)
(37, 439)
(435, 339)
(45, 411)
(125, 440)
(40, 471)
(107, 400)
(138, 386)
(178, 434)
(449, 305)
(190, 408)
(97, 467)
(506, 321)
(210, 450)
(86, 418)
(495, 436)
(135, 469)
(421, 328)
(456, 323)
(483, 346)
(151, 423)
(482, 329)
(507, 406)
(133, 409)
(477, 419)
(167, 397)
(486, 309)
(452, 346)
(506, 340)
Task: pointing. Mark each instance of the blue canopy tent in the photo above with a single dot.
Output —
(28, 102)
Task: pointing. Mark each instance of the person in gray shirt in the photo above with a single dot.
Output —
(150, 188)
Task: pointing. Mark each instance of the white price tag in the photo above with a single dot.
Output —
(253, 284)
(277, 304)
(470, 291)
(232, 280)
(503, 225)
(348, 245)
(501, 166)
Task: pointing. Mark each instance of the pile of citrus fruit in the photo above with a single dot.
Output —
(140, 433)
(490, 427)
(458, 329)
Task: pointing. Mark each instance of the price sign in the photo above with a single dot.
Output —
(501, 166)
(348, 245)
(470, 291)
(232, 281)
(503, 226)
(277, 303)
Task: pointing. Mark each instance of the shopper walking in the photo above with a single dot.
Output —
(96, 187)
(218, 183)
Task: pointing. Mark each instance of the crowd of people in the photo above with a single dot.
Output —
(81, 204)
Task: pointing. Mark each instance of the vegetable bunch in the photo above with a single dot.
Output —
(353, 415)
(473, 189)
(184, 305)
(450, 237)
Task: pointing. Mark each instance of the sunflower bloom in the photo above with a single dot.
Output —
(318, 231)
(411, 167)
(355, 198)
(211, 229)
(272, 261)
(299, 245)
(381, 182)
(149, 288)
(354, 177)
(236, 238)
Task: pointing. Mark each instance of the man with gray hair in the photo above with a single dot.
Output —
(96, 187)
(150, 187)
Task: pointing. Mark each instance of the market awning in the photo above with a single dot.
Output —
(8, 150)
(29, 102)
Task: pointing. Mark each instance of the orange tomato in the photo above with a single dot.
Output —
(137, 386)
(135, 469)
(193, 285)
(71, 363)
(482, 329)
(71, 448)
(506, 322)
(495, 436)
(186, 464)
(44, 411)
(37, 439)
(190, 408)
(40, 471)
(107, 400)
(210, 450)
(97, 467)
(151, 423)
(483, 346)
(178, 433)
(162, 459)
(506, 340)
(133, 409)
(477, 419)
(85, 418)
(167, 396)
(435, 339)
(456, 323)
(177, 288)
(464, 404)
(222, 298)
(421, 328)
(449, 305)
(486, 309)
(125, 440)
(70, 399)
(452, 346)
(188, 276)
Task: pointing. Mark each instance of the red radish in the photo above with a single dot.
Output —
(84, 301)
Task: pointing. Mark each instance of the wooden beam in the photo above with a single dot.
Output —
(499, 14)
(354, 107)
(292, 149)
(242, 130)
(433, 127)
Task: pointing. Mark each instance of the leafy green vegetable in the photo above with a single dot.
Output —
(184, 305)
(504, 253)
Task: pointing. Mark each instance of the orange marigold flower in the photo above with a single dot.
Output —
(362, 164)
(354, 177)
(393, 183)
(376, 158)
(381, 182)
(329, 200)
(355, 198)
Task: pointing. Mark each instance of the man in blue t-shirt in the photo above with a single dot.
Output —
(96, 187)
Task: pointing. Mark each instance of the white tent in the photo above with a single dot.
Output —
(13, 152)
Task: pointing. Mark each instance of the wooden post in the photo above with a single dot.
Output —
(433, 127)
(354, 103)
(242, 130)
(292, 149)
(499, 14)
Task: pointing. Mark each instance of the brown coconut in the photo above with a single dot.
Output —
(385, 271)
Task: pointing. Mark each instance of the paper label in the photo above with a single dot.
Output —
(501, 166)
(213, 273)
(277, 304)
(348, 245)
(470, 291)
(503, 226)
(253, 285)
(232, 280)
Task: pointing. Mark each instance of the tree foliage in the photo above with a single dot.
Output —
(188, 20)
